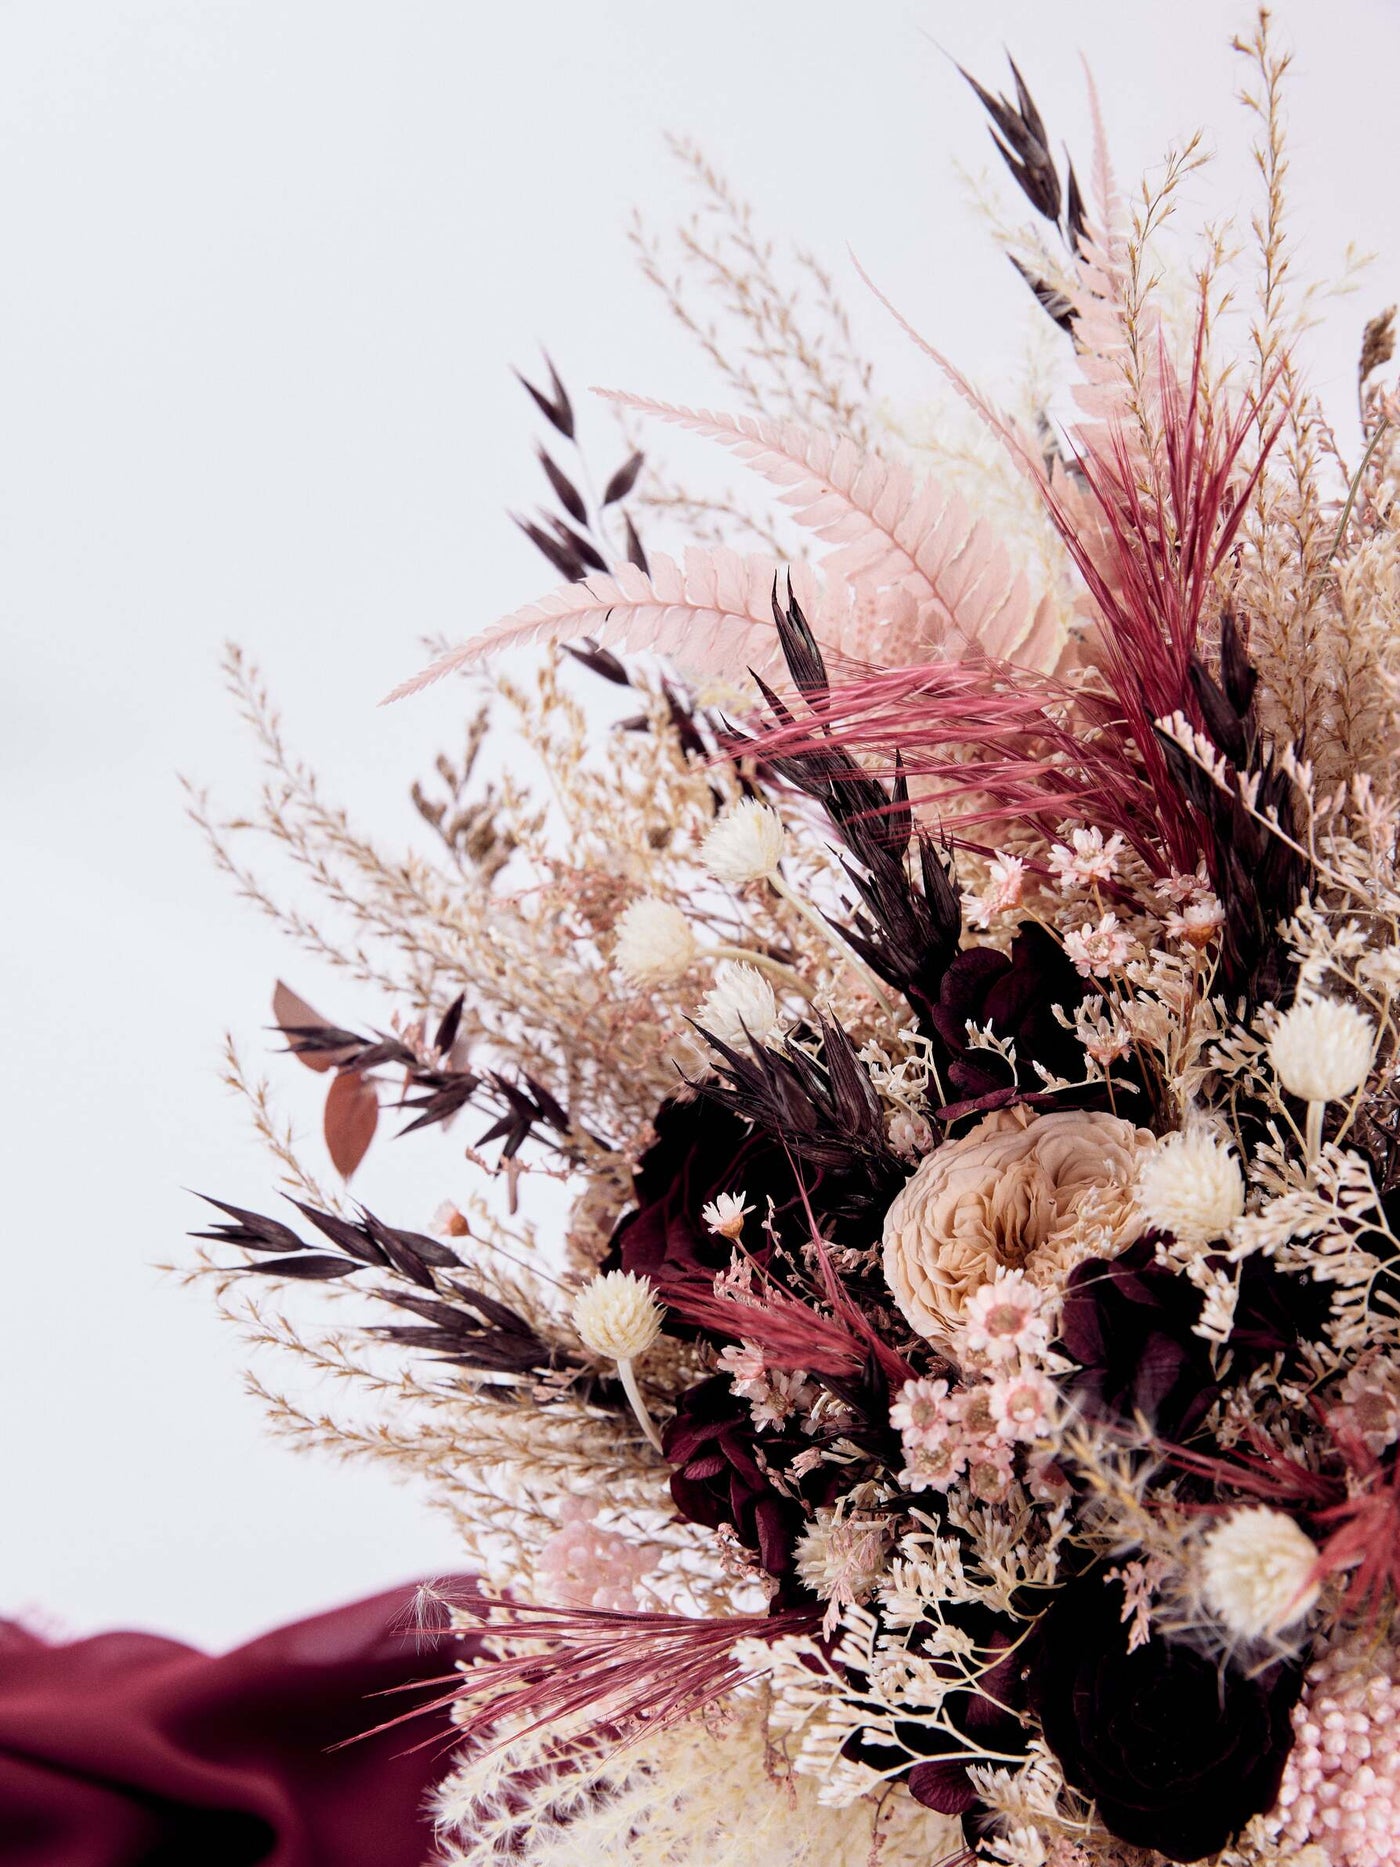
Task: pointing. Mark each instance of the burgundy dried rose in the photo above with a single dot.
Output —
(718, 1480)
(1177, 1751)
(1015, 995)
(1129, 1325)
(700, 1151)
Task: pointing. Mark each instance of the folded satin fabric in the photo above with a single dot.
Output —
(129, 1749)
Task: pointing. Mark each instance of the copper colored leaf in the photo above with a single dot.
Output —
(293, 1014)
(352, 1114)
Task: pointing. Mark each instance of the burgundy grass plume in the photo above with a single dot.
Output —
(613, 1670)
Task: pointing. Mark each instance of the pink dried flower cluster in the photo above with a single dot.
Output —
(581, 1566)
(774, 1395)
(1005, 883)
(1370, 1403)
(1341, 1784)
(974, 1429)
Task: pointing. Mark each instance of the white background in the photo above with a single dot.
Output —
(266, 265)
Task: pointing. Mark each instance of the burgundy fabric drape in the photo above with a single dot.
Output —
(130, 1749)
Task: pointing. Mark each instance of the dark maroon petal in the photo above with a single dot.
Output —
(943, 1786)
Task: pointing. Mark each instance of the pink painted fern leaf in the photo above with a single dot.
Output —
(713, 614)
(890, 530)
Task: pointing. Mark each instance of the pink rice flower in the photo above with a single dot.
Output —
(1341, 1785)
(581, 1566)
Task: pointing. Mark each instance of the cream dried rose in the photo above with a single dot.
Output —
(1035, 1193)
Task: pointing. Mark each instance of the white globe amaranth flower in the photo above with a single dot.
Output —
(740, 1003)
(1257, 1572)
(745, 845)
(1321, 1049)
(617, 1316)
(655, 943)
(1191, 1186)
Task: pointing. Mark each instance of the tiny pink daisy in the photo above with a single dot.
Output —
(1021, 1405)
(1002, 1319)
(920, 1415)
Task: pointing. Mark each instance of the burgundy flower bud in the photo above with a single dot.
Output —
(1177, 1751)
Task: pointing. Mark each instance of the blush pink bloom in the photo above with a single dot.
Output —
(1099, 951)
(1086, 860)
(581, 1566)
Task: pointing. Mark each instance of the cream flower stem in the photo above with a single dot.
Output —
(855, 965)
(1312, 1134)
(747, 956)
(639, 1406)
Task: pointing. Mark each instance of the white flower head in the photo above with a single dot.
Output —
(745, 844)
(655, 943)
(1191, 1186)
(1321, 1049)
(1086, 859)
(617, 1316)
(1099, 951)
(740, 1003)
(1257, 1570)
(725, 1214)
(1005, 884)
(1198, 922)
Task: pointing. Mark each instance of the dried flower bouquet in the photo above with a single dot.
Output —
(920, 1374)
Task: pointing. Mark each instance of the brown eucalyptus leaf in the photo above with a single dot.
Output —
(292, 1014)
(352, 1115)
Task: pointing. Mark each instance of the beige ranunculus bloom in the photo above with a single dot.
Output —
(1033, 1192)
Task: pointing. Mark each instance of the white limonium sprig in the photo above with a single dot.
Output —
(746, 845)
(617, 1316)
(1321, 1051)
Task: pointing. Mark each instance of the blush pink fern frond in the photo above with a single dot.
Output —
(1149, 555)
(713, 614)
(889, 529)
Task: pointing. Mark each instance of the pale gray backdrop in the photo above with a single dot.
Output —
(266, 264)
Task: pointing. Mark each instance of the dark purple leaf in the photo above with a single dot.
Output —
(567, 493)
(622, 482)
(635, 554)
(314, 1266)
(447, 1030)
